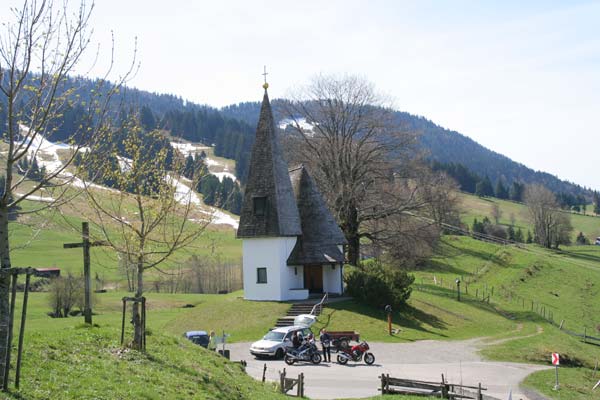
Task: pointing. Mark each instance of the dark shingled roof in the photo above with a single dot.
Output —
(268, 177)
(321, 234)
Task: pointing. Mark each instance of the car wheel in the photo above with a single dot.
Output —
(279, 354)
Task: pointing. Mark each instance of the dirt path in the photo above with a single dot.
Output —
(424, 360)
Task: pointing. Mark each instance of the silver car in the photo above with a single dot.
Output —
(274, 343)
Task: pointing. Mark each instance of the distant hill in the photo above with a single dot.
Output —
(230, 130)
(446, 146)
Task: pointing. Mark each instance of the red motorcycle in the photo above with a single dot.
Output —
(356, 354)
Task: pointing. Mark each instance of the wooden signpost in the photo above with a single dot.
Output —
(86, 244)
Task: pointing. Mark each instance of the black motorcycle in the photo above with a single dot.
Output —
(306, 352)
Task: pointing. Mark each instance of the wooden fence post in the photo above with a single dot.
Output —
(561, 324)
(479, 395)
(22, 329)
(301, 385)
(282, 381)
(264, 372)
(584, 334)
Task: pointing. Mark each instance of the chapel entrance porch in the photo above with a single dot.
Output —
(313, 278)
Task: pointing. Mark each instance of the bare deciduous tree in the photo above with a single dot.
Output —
(39, 48)
(364, 163)
(551, 226)
(147, 218)
(496, 213)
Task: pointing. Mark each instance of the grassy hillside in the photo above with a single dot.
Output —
(37, 241)
(477, 207)
(79, 362)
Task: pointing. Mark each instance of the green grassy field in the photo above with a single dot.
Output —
(38, 242)
(477, 207)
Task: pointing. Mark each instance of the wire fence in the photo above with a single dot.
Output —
(467, 291)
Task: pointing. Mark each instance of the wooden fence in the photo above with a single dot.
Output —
(287, 384)
(441, 389)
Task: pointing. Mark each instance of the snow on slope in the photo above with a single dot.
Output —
(185, 195)
(216, 168)
(46, 154)
(304, 125)
(188, 148)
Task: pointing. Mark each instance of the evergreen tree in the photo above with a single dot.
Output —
(596, 203)
(501, 190)
(484, 188)
(147, 119)
(516, 191)
(581, 239)
(529, 237)
(511, 233)
(519, 236)
(189, 167)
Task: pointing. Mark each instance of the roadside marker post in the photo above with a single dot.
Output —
(388, 310)
(556, 363)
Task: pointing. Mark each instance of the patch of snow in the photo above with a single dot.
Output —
(221, 175)
(124, 163)
(210, 162)
(222, 218)
(183, 193)
(46, 151)
(188, 148)
(304, 125)
(33, 197)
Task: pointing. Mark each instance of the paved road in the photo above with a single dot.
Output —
(423, 360)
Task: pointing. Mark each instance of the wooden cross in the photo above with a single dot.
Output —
(86, 244)
(265, 74)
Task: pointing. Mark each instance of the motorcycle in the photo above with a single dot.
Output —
(356, 353)
(306, 352)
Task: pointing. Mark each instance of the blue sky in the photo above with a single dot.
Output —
(521, 78)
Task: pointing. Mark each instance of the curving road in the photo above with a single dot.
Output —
(423, 360)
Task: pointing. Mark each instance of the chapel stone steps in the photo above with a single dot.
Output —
(295, 310)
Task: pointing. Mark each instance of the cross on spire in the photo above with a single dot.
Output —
(265, 85)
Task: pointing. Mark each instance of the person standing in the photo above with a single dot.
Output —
(325, 340)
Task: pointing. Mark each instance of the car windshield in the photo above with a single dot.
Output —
(276, 336)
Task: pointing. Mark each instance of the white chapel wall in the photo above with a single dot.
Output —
(332, 280)
(270, 253)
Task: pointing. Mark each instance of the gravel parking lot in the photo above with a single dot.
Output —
(423, 360)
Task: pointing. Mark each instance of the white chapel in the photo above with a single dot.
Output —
(292, 245)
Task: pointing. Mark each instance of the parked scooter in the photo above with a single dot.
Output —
(356, 353)
(308, 351)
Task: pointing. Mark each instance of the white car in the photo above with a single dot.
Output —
(274, 343)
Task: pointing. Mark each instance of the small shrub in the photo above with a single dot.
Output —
(64, 294)
(378, 285)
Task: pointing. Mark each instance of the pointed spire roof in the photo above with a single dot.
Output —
(269, 207)
(321, 234)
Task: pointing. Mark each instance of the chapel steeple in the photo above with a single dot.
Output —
(269, 207)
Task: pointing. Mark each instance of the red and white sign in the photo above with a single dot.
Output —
(555, 359)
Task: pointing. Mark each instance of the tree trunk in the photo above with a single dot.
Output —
(350, 228)
(137, 314)
(4, 289)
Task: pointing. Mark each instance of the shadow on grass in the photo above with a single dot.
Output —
(580, 256)
(410, 317)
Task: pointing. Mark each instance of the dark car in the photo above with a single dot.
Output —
(199, 337)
